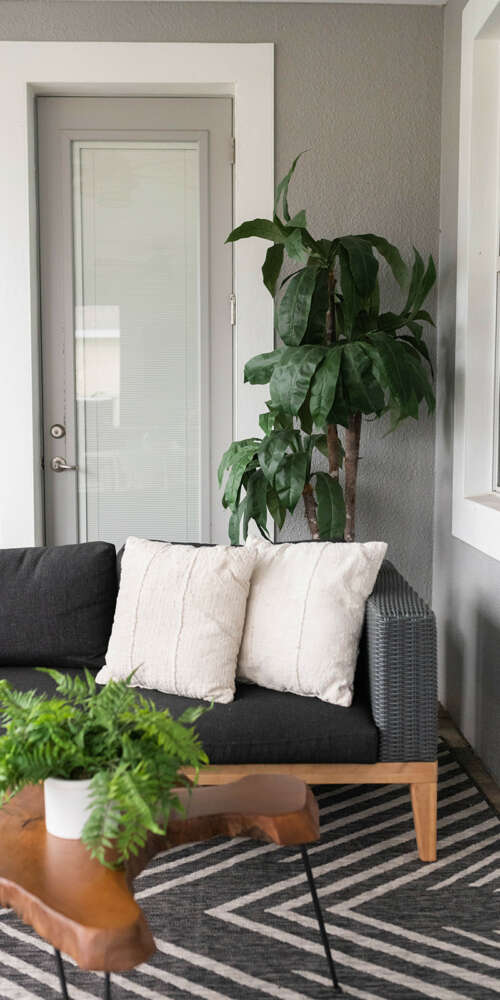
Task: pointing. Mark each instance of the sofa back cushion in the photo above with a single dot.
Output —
(57, 604)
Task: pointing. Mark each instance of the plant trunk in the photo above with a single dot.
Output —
(310, 508)
(331, 336)
(352, 439)
(332, 438)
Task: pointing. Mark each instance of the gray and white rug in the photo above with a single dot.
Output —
(233, 919)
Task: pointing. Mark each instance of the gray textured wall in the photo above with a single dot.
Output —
(360, 86)
(466, 582)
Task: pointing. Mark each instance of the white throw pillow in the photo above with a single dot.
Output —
(305, 614)
(179, 618)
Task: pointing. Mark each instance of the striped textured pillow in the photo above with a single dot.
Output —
(305, 614)
(179, 618)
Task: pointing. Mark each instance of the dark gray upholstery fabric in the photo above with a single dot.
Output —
(57, 604)
(29, 679)
(262, 726)
(272, 727)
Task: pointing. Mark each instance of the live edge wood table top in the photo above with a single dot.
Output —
(88, 911)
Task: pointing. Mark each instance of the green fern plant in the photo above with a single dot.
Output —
(133, 754)
(344, 358)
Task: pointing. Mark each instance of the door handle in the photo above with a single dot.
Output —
(60, 465)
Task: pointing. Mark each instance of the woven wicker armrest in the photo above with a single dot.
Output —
(401, 644)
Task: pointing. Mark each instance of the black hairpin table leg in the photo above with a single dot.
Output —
(61, 973)
(62, 978)
(321, 923)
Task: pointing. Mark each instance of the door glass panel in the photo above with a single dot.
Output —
(138, 366)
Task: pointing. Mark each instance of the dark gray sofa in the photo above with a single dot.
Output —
(56, 609)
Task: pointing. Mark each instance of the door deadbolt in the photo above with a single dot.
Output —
(57, 431)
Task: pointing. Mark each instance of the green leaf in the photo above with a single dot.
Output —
(304, 415)
(277, 512)
(324, 249)
(426, 284)
(298, 221)
(266, 422)
(235, 521)
(398, 369)
(242, 459)
(282, 421)
(362, 263)
(425, 316)
(273, 449)
(340, 411)
(282, 189)
(417, 274)
(259, 369)
(324, 385)
(290, 381)
(362, 389)
(290, 479)
(390, 321)
(256, 503)
(374, 304)
(292, 275)
(295, 245)
(228, 459)
(331, 507)
(350, 298)
(421, 385)
(420, 346)
(416, 329)
(272, 266)
(393, 257)
(294, 308)
(388, 367)
(316, 324)
(262, 228)
(320, 442)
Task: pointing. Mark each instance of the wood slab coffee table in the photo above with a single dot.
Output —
(89, 912)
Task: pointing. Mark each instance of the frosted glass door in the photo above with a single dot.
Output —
(135, 204)
(138, 365)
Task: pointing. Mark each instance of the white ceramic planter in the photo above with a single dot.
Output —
(66, 806)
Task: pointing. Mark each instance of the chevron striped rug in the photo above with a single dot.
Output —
(233, 919)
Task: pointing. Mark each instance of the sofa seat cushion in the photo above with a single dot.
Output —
(57, 604)
(262, 726)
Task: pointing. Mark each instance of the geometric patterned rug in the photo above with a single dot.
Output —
(233, 919)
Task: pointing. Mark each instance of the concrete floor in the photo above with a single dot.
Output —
(468, 759)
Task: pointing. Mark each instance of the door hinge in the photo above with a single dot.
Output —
(232, 306)
(232, 150)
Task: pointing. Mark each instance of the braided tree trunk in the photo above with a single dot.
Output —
(352, 439)
(310, 509)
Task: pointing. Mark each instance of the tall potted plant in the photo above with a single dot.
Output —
(343, 358)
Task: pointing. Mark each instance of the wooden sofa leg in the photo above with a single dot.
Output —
(424, 805)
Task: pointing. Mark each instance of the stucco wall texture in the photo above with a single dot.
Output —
(360, 87)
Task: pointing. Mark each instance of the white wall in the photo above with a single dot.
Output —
(466, 583)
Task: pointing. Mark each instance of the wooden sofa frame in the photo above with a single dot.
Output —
(421, 776)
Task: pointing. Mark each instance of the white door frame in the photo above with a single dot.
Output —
(27, 69)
